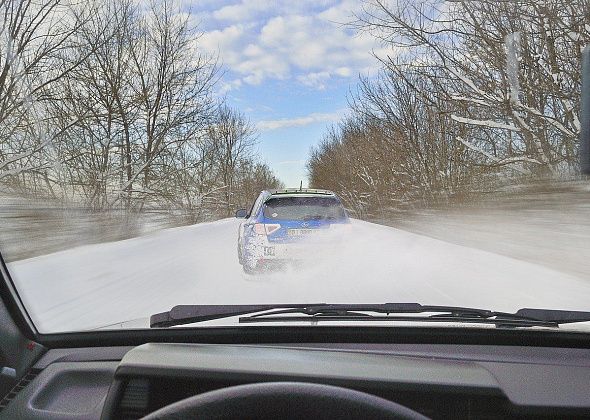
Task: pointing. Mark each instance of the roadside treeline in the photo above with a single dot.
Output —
(470, 94)
(109, 105)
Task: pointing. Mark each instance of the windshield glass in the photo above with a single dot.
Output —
(161, 153)
(303, 208)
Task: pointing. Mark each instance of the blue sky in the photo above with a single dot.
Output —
(288, 66)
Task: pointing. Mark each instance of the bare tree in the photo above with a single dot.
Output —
(469, 90)
(34, 36)
(511, 69)
(173, 86)
(233, 138)
(110, 106)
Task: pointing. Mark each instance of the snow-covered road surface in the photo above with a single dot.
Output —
(97, 285)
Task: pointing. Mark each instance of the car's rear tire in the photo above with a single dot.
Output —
(249, 270)
(250, 267)
(240, 258)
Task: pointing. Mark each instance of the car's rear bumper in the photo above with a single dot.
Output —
(262, 250)
(295, 251)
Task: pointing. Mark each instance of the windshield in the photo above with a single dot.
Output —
(165, 153)
(303, 208)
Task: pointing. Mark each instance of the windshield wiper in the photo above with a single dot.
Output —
(188, 314)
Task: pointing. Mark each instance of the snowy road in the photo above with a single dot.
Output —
(97, 285)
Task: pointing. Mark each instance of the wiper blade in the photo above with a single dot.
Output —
(188, 314)
(362, 313)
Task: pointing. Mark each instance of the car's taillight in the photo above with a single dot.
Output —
(271, 228)
(265, 229)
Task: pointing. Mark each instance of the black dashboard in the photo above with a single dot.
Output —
(439, 381)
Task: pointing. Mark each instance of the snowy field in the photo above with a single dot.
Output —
(546, 224)
(97, 285)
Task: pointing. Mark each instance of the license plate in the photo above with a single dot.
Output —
(299, 232)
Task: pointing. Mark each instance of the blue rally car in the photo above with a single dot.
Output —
(283, 225)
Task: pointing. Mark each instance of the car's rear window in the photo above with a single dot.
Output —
(304, 208)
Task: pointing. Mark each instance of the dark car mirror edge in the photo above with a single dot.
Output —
(241, 214)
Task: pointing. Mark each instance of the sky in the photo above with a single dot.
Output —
(288, 66)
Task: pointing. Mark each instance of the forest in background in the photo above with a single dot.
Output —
(472, 97)
(109, 106)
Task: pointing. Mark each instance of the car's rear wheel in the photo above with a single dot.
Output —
(250, 268)
(240, 257)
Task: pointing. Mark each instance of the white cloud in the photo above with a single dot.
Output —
(223, 41)
(342, 12)
(228, 86)
(303, 41)
(316, 117)
(314, 79)
(240, 12)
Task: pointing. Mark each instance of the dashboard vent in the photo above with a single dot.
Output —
(24, 381)
(134, 402)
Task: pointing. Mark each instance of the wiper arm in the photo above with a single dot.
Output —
(344, 312)
(188, 314)
(554, 315)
